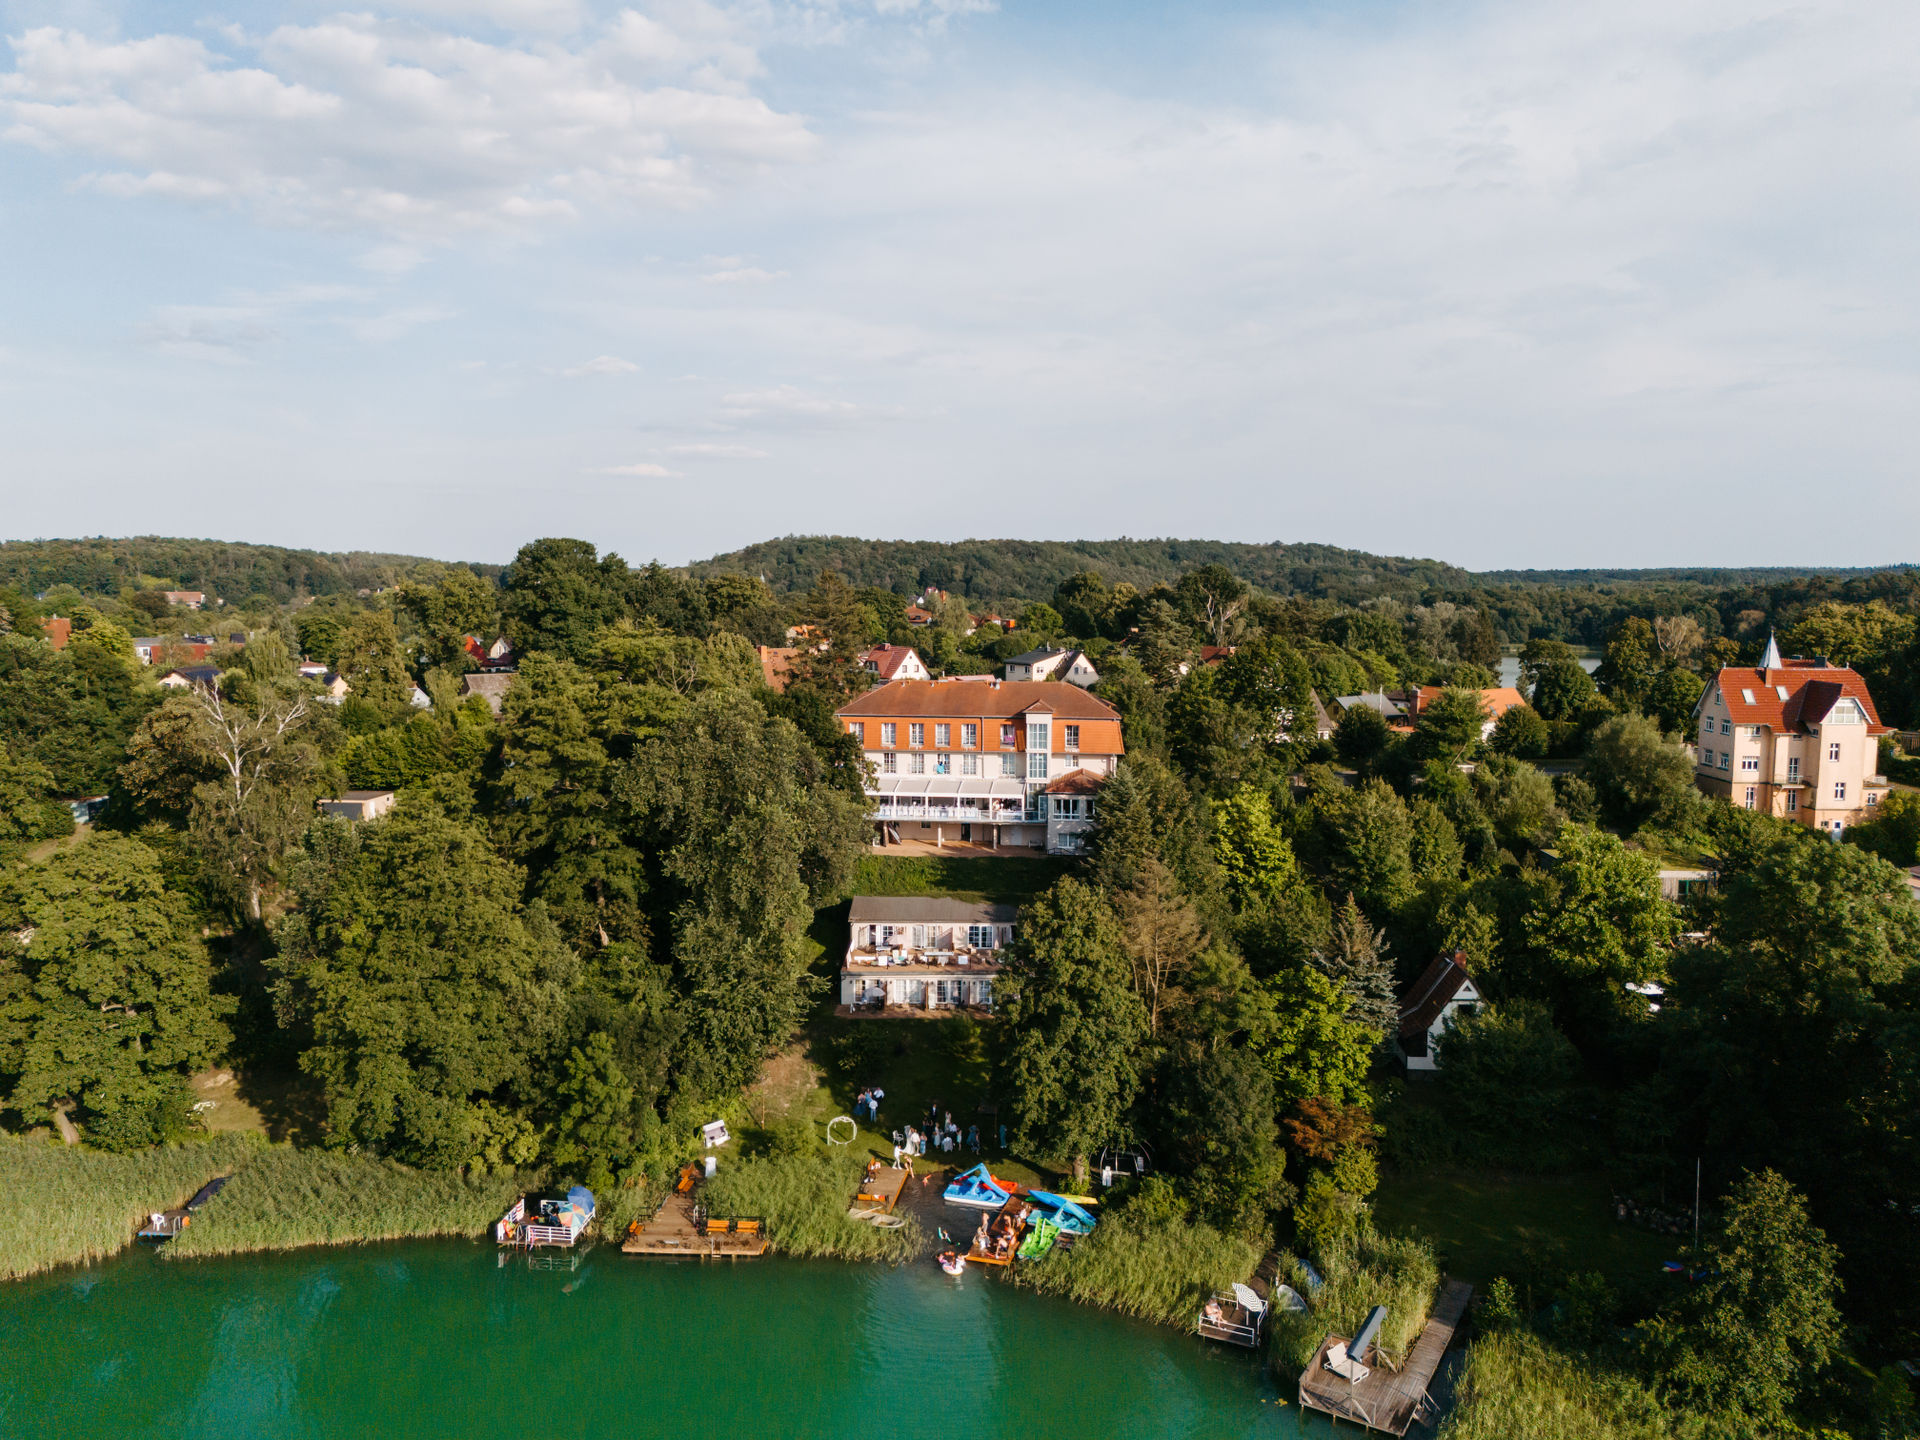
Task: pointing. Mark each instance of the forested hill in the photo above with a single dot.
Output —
(231, 570)
(1010, 570)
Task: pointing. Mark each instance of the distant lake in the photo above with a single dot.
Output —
(1510, 667)
(439, 1339)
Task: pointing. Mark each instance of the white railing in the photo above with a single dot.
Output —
(947, 812)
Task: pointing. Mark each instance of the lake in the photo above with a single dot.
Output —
(441, 1339)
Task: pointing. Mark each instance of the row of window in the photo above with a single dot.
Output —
(979, 937)
(969, 735)
(943, 764)
(1752, 762)
(1793, 796)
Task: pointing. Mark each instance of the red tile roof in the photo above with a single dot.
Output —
(988, 699)
(1497, 701)
(887, 659)
(1076, 782)
(1812, 690)
(776, 664)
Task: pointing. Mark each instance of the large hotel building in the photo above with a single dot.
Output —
(1001, 763)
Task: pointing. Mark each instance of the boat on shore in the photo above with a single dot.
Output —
(976, 1189)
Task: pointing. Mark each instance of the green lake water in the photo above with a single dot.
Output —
(440, 1339)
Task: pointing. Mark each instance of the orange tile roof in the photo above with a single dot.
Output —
(1812, 689)
(886, 659)
(776, 665)
(1077, 782)
(987, 699)
(1498, 700)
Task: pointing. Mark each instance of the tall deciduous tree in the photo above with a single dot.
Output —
(752, 835)
(557, 593)
(1749, 1339)
(1069, 1070)
(107, 990)
(1636, 770)
(426, 986)
(1368, 835)
(264, 773)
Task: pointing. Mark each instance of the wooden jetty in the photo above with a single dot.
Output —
(880, 1191)
(1388, 1400)
(1011, 1213)
(681, 1229)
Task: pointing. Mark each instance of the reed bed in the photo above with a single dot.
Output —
(1162, 1269)
(1359, 1272)
(804, 1200)
(285, 1198)
(68, 1206)
(1514, 1385)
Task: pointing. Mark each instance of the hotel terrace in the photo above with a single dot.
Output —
(921, 954)
(996, 763)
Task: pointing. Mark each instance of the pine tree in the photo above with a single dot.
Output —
(1356, 959)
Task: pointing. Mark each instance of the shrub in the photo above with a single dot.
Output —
(1508, 1074)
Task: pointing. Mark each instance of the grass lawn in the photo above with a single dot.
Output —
(1010, 881)
(1486, 1223)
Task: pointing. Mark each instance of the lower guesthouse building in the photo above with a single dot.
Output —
(998, 763)
(922, 954)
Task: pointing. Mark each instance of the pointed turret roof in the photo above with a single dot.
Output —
(1771, 660)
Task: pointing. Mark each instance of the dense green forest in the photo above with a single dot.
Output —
(232, 571)
(591, 920)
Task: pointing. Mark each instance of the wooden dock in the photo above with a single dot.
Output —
(1009, 1213)
(679, 1230)
(880, 1191)
(1388, 1400)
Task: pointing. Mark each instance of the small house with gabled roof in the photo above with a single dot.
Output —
(1443, 993)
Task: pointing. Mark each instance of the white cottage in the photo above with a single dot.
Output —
(1442, 992)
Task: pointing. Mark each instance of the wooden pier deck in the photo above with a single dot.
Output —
(1388, 1400)
(676, 1231)
(880, 1190)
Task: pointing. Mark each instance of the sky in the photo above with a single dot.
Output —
(1509, 284)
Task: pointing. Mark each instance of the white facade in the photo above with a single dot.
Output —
(922, 954)
(1054, 664)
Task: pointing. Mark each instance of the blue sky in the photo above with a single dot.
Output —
(1510, 284)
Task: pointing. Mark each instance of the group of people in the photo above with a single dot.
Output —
(867, 1105)
(999, 1235)
(943, 1133)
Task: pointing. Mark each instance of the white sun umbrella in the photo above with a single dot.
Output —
(1249, 1301)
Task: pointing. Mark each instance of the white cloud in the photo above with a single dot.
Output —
(601, 365)
(395, 127)
(644, 470)
(394, 324)
(743, 275)
(709, 451)
(788, 403)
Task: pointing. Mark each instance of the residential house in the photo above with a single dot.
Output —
(146, 646)
(895, 662)
(919, 615)
(192, 599)
(489, 685)
(204, 676)
(497, 656)
(1495, 702)
(1051, 662)
(85, 809)
(922, 954)
(975, 761)
(1677, 883)
(311, 669)
(776, 665)
(420, 700)
(1396, 707)
(333, 688)
(1214, 654)
(1322, 721)
(359, 804)
(58, 630)
(1796, 738)
(1443, 993)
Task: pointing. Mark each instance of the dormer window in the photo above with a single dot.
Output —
(1847, 712)
(1781, 691)
(1747, 695)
